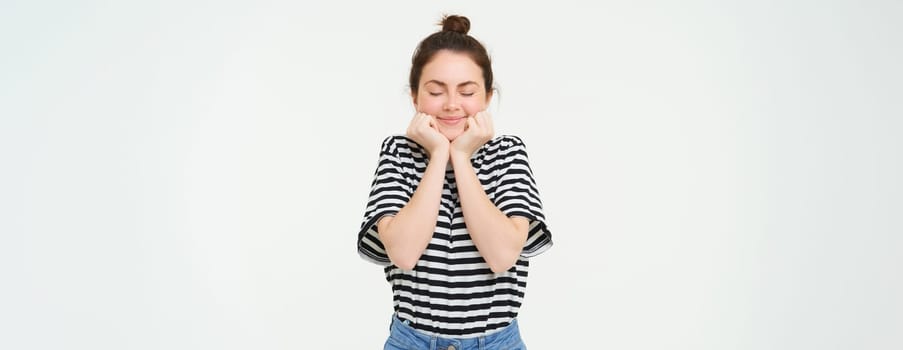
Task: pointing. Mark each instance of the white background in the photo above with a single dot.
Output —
(192, 174)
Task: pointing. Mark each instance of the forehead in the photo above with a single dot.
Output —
(452, 68)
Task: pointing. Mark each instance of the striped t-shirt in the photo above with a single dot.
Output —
(451, 291)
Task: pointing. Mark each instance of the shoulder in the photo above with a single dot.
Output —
(502, 149)
(395, 143)
(506, 141)
(506, 144)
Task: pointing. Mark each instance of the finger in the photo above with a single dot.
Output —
(413, 124)
(418, 125)
(476, 120)
(416, 121)
(434, 123)
(485, 119)
(427, 121)
(488, 123)
(472, 124)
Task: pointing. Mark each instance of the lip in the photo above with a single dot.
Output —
(451, 120)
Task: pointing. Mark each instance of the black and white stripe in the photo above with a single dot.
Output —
(451, 291)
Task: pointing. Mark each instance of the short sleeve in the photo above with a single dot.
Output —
(516, 194)
(389, 192)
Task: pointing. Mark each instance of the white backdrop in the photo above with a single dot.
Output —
(192, 174)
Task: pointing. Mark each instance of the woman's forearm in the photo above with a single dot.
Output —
(406, 235)
(498, 238)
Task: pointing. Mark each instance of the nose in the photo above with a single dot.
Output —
(451, 104)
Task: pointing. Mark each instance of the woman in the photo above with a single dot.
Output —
(454, 213)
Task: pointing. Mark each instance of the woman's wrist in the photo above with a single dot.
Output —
(440, 153)
(459, 157)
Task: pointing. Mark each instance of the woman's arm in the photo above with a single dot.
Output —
(407, 234)
(499, 239)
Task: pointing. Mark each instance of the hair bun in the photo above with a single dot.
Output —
(454, 23)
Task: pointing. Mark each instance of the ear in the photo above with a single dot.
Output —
(489, 95)
(414, 98)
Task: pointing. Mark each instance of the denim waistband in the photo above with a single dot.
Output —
(401, 332)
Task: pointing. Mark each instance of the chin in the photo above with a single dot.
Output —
(451, 136)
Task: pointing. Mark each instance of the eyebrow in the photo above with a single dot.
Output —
(469, 82)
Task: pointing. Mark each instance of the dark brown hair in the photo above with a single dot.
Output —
(453, 37)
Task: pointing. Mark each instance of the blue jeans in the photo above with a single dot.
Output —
(404, 337)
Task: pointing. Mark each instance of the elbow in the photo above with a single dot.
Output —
(497, 269)
(406, 263)
(504, 259)
(501, 265)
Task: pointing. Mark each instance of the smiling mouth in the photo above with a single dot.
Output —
(452, 120)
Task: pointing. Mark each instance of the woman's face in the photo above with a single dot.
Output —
(451, 89)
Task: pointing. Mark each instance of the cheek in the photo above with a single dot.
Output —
(429, 105)
(472, 107)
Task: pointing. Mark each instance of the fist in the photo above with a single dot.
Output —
(423, 129)
(478, 131)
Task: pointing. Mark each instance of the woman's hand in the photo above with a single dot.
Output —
(425, 132)
(478, 131)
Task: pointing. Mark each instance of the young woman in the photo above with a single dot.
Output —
(454, 213)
